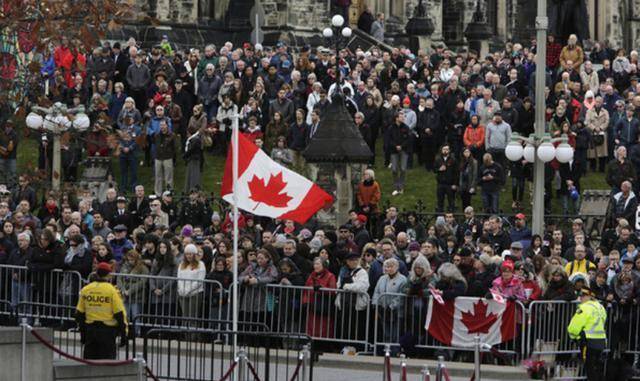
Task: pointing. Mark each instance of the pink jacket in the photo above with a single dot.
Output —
(512, 288)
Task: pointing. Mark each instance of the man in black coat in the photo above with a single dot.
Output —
(365, 20)
(619, 170)
(446, 169)
(193, 211)
(139, 206)
(122, 63)
(121, 215)
(624, 204)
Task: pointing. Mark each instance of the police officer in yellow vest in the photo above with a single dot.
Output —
(588, 327)
(101, 316)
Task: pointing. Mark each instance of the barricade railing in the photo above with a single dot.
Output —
(322, 314)
(43, 295)
(198, 355)
(400, 319)
(162, 299)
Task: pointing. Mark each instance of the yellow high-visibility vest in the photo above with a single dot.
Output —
(99, 301)
(590, 318)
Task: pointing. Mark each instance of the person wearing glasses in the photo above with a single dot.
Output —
(159, 216)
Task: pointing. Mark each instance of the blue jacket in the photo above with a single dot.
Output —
(154, 125)
(115, 105)
(627, 131)
(131, 144)
(120, 248)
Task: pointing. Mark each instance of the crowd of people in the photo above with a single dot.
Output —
(451, 113)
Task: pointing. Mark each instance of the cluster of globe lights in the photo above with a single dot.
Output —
(546, 151)
(337, 21)
(57, 120)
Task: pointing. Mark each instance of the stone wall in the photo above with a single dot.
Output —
(515, 19)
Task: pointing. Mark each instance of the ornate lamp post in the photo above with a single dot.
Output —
(538, 150)
(57, 120)
(339, 34)
(337, 144)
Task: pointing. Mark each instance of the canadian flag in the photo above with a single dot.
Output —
(266, 188)
(456, 323)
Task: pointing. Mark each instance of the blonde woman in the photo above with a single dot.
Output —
(191, 274)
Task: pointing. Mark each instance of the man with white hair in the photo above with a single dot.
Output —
(390, 307)
(625, 204)
(571, 55)
(486, 107)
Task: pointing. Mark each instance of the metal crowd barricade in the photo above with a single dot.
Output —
(547, 333)
(199, 355)
(401, 318)
(164, 301)
(323, 314)
(39, 295)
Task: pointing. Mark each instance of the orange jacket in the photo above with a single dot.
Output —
(474, 136)
(369, 195)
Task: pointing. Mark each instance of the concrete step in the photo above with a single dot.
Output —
(64, 370)
(414, 366)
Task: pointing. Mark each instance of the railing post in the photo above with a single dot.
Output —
(403, 368)
(476, 357)
(386, 370)
(23, 356)
(440, 368)
(426, 376)
(241, 374)
(306, 359)
(142, 376)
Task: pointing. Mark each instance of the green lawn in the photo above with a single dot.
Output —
(420, 183)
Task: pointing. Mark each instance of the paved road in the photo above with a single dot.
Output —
(327, 374)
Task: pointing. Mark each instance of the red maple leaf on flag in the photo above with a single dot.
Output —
(271, 193)
(477, 320)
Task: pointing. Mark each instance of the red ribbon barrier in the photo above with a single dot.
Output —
(85, 361)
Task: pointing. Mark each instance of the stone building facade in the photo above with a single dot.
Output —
(617, 21)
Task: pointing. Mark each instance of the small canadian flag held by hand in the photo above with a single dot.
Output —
(437, 294)
(266, 188)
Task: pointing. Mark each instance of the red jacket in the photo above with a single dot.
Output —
(474, 136)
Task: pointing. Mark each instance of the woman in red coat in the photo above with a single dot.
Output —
(319, 304)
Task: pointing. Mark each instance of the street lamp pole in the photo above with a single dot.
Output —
(542, 22)
(336, 31)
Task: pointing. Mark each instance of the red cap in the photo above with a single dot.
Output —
(507, 265)
(521, 216)
(406, 101)
(103, 268)
(362, 218)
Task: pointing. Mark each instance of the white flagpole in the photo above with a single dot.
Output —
(234, 297)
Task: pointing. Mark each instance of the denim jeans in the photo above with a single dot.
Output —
(128, 172)
(490, 201)
(568, 202)
(20, 292)
(133, 310)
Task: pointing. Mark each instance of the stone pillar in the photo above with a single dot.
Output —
(163, 10)
(419, 28)
(435, 14)
(344, 193)
(38, 357)
(478, 31)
